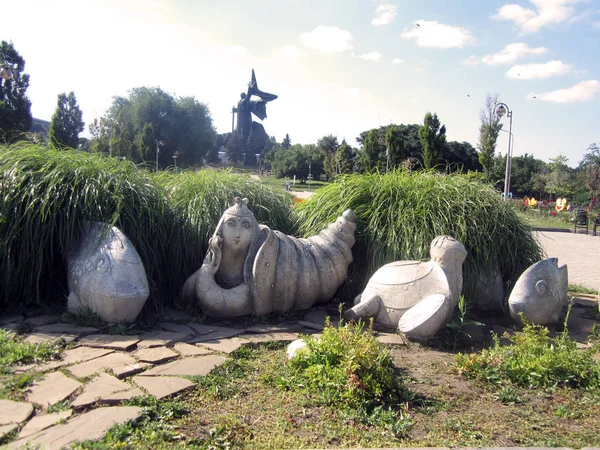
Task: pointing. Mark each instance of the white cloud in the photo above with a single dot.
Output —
(352, 92)
(327, 39)
(289, 54)
(512, 52)
(384, 14)
(372, 56)
(546, 12)
(397, 61)
(434, 34)
(471, 61)
(581, 92)
(538, 71)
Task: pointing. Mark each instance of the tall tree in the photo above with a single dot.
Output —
(15, 107)
(329, 144)
(394, 142)
(433, 138)
(287, 142)
(489, 129)
(66, 122)
(558, 179)
(344, 158)
(235, 147)
(372, 149)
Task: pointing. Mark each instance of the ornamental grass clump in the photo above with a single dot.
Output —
(48, 194)
(534, 360)
(345, 367)
(399, 213)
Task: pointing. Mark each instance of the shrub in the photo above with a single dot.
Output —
(345, 367)
(399, 214)
(534, 360)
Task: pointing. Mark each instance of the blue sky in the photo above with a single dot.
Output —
(339, 67)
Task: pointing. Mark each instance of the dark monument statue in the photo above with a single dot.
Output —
(246, 127)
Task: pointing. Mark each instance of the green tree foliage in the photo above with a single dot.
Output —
(287, 142)
(410, 136)
(460, 157)
(329, 144)
(373, 148)
(146, 143)
(523, 169)
(183, 124)
(344, 157)
(489, 128)
(558, 182)
(589, 170)
(235, 147)
(394, 142)
(66, 122)
(298, 160)
(15, 107)
(433, 139)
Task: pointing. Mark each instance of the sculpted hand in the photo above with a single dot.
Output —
(214, 252)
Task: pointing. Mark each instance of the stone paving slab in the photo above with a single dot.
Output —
(311, 325)
(190, 350)
(208, 333)
(105, 362)
(6, 429)
(14, 412)
(161, 387)
(39, 423)
(118, 397)
(45, 319)
(319, 317)
(76, 355)
(11, 318)
(264, 329)
(91, 425)
(41, 338)
(162, 338)
(155, 355)
(390, 338)
(126, 370)
(110, 341)
(201, 365)
(103, 385)
(54, 388)
(270, 337)
(228, 345)
(66, 328)
(176, 328)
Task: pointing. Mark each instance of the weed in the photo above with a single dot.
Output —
(508, 395)
(534, 360)
(460, 320)
(84, 317)
(14, 352)
(579, 289)
(59, 406)
(122, 328)
(14, 386)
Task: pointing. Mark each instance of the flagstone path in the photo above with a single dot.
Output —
(102, 370)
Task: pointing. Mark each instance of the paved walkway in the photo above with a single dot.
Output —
(580, 252)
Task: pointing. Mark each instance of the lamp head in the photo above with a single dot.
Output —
(500, 111)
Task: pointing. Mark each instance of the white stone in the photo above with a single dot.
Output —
(295, 348)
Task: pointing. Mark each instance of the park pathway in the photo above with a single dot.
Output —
(580, 252)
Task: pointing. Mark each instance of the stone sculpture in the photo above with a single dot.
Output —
(106, 275)
(417, 297)
(251, 269)
(541, 293)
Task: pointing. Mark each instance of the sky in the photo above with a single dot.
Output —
(338, 66)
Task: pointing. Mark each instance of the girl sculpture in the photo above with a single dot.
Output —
(251, 269)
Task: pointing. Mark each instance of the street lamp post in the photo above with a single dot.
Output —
(175, 155)
(158, 143)
(382, 141)
(502, 109)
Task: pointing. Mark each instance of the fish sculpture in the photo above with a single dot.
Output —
(251, 269)
(541, 294)
(106, 275)
(416, 297)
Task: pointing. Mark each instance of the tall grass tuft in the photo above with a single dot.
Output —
(47, 195)
(399, 213)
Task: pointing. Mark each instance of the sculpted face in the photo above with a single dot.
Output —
(237, 233)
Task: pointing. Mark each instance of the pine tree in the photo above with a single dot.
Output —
(66, 123)
(287, 142)
(433, 138)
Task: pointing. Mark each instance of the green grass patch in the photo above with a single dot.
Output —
(544, 218)
(13, 352)
(579, 289)
(534, 360)
(399, 214)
